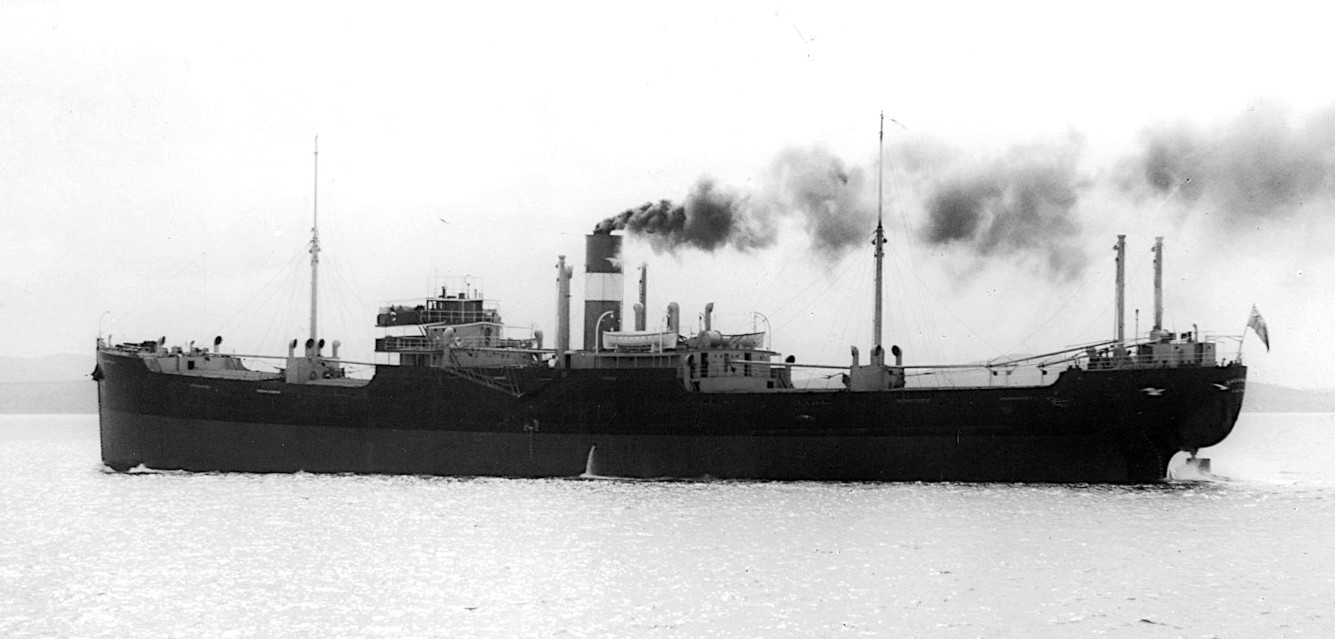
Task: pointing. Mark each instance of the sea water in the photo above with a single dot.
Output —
(1246, 552)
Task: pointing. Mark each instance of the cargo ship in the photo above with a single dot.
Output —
(461, 398)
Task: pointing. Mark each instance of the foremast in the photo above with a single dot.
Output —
(313, 365)
(875, 375)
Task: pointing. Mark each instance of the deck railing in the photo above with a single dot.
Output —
(405, 316)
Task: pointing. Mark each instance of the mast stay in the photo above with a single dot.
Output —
(877, 352)
(315, 245)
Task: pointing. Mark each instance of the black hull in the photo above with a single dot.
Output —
(1088, 426)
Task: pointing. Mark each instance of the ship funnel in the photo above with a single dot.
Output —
(603, 288)
(709, 312)
(674, 318)
(639, 316)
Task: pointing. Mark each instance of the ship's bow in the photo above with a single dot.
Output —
(116, 376)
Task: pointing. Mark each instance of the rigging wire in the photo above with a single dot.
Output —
(775, 282)
(917, 316)
(829, 284)
(1136, 273)
(914, 315)
(854, 303)
(961, 322)
(265, 291)
(1060, 309)
(816, 278)
(284, 317)
(344, 289)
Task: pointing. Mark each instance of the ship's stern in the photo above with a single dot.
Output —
(1215, 411)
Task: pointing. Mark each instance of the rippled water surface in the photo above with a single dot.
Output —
(86, 552)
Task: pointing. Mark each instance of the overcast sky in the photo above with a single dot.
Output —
(156, 166)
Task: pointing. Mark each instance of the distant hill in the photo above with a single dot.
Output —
(66, 367)
(1268, 398)
(52, 384)
(33, 398)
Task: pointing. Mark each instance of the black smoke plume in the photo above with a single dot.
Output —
(1023, 205)
(836, 203)
(813, 184)
(1264, 164)
(709, 217)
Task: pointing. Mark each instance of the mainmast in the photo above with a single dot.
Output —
(1158, 287)
(1120, 298)
(879, 241)
(315, 246)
